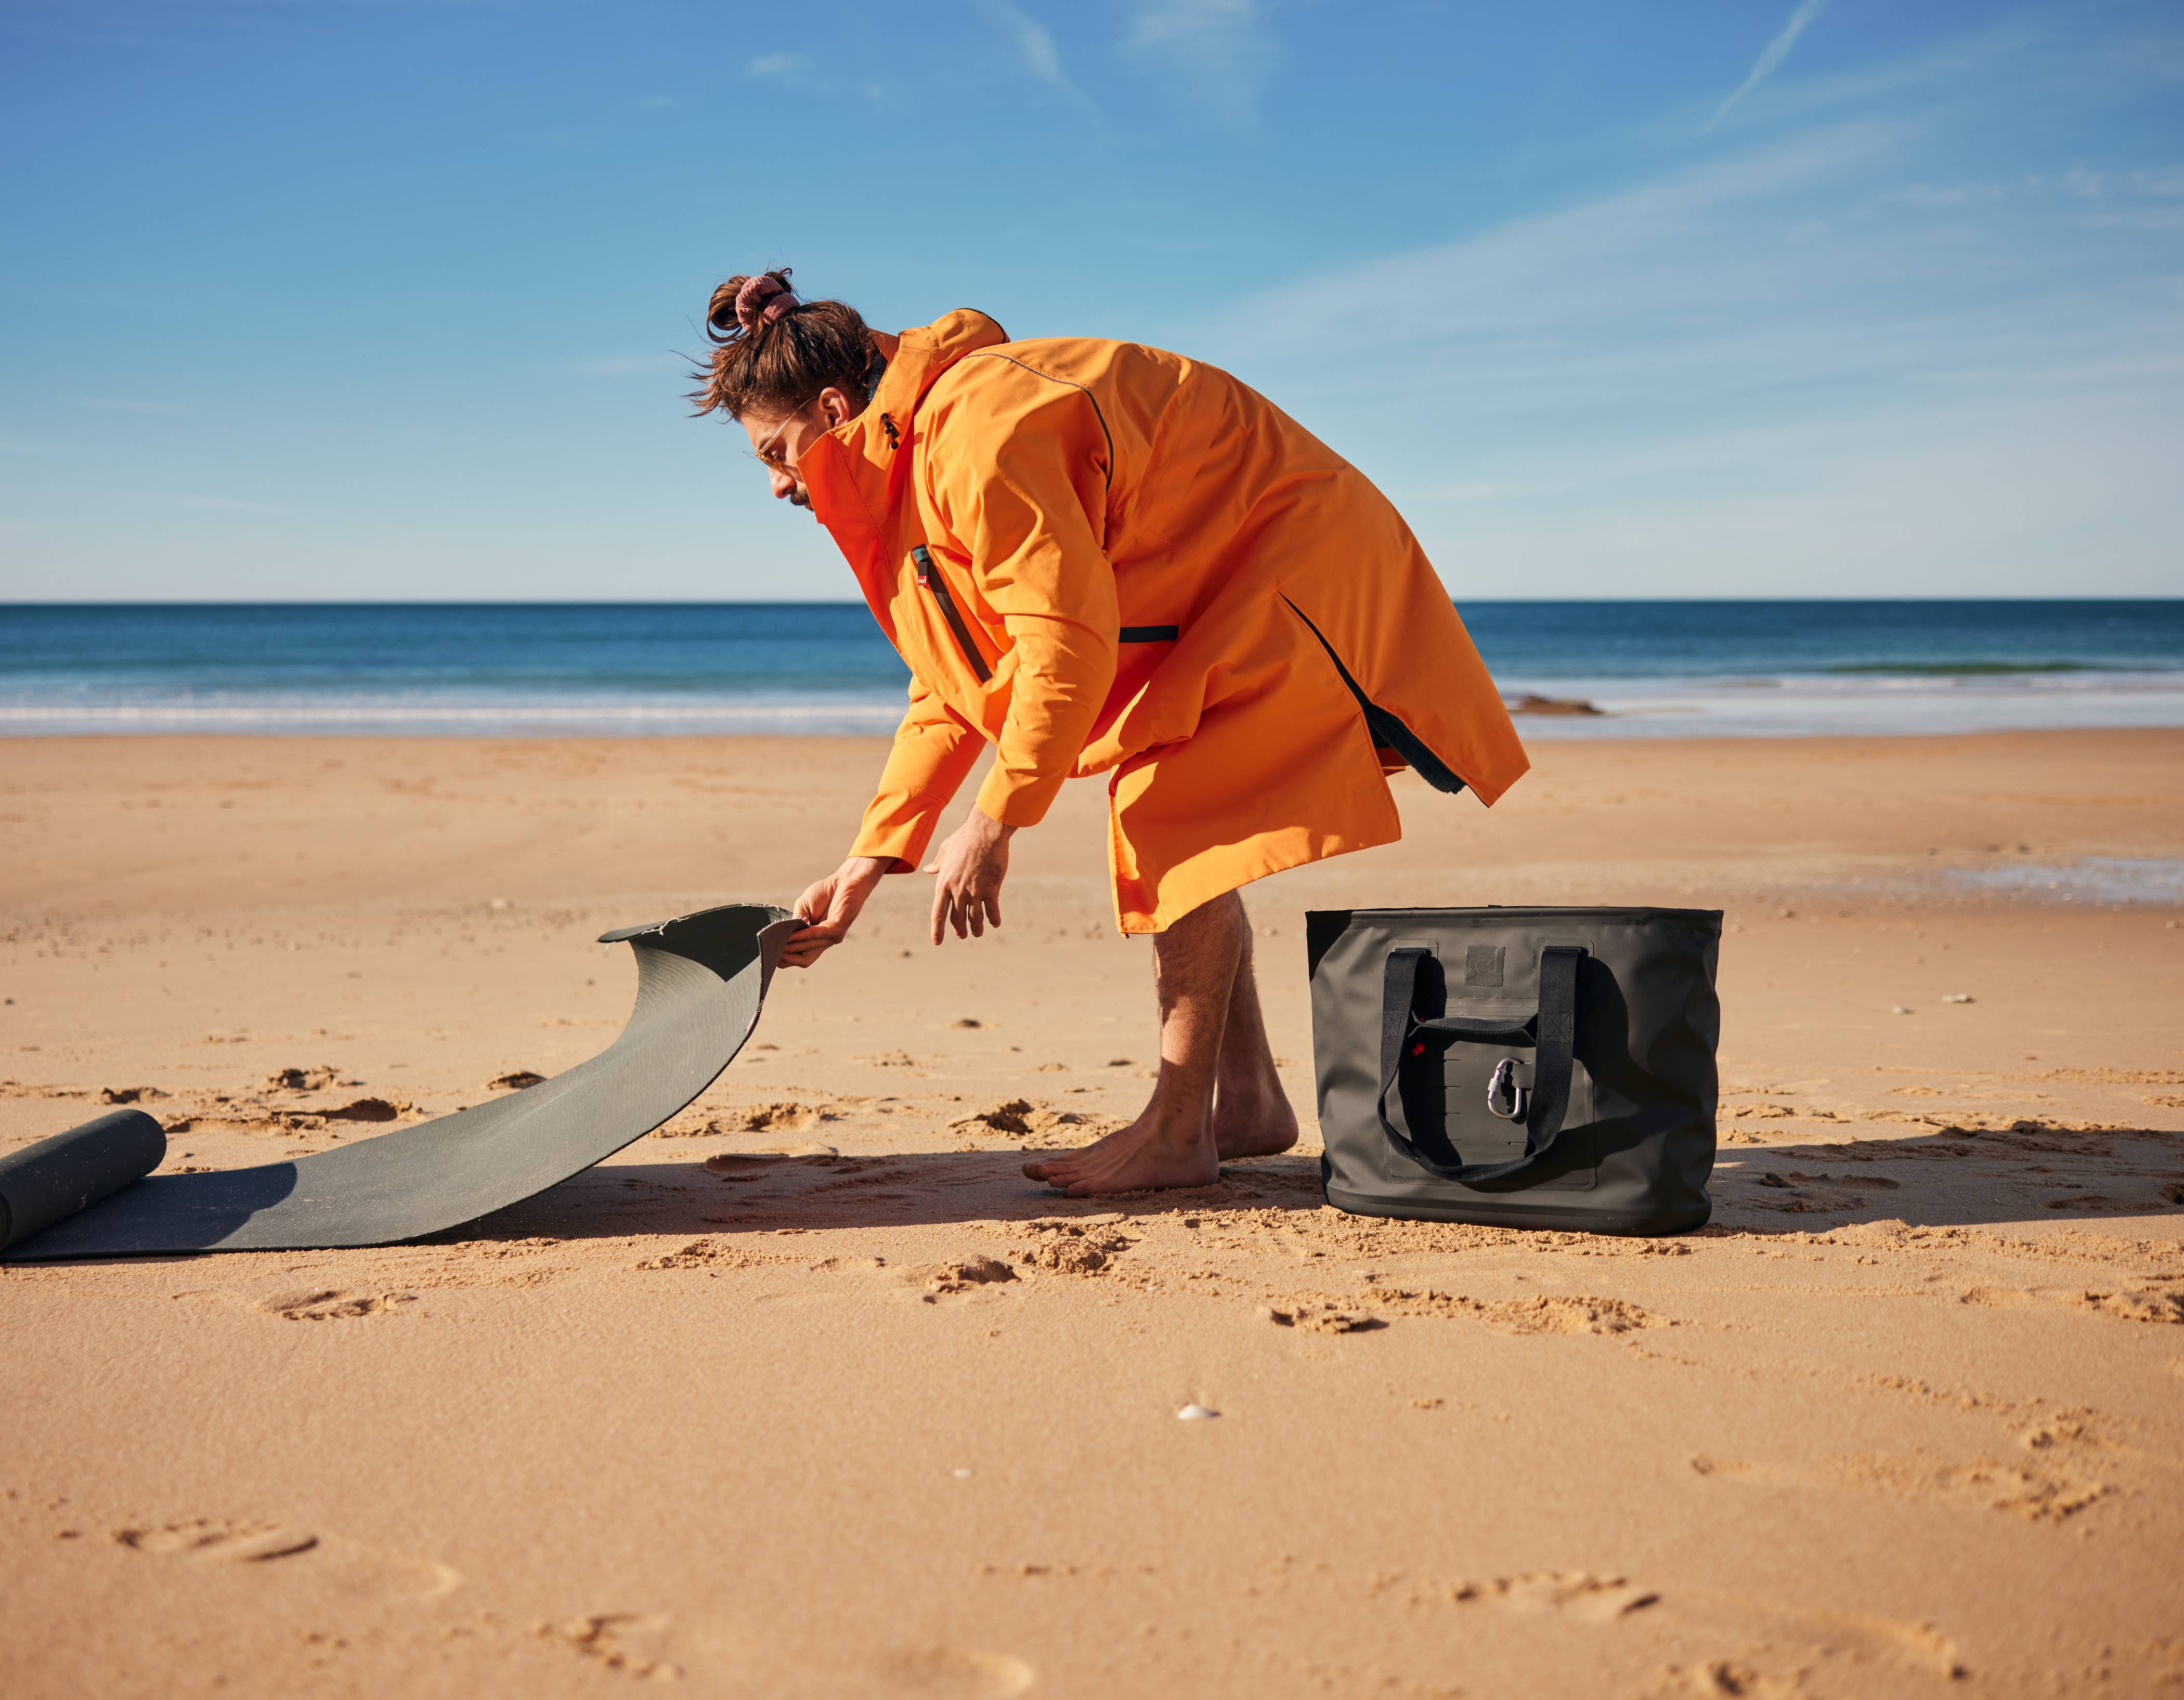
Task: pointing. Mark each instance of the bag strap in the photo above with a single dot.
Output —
(1551, 1031)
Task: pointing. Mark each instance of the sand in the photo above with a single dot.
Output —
(867, 1413)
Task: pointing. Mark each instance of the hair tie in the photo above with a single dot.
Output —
(763, 299)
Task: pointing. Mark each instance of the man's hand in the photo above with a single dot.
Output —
(828, 908)
(971, 865)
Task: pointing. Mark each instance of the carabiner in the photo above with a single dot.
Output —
(1505, 1079)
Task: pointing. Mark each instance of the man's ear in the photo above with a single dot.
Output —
(835, 404)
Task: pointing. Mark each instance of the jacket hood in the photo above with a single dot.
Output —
(855, 473)
(922, 354)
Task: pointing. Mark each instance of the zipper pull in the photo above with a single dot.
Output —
(923, 562)
(887, 424)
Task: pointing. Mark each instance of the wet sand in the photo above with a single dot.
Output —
(867, 1414)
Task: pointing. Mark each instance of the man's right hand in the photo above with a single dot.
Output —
(829, 907)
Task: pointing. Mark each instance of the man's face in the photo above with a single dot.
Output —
(781, 441)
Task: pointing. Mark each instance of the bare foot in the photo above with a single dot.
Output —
(1145, 1155)
(1132, 1134)
(1253, 1122)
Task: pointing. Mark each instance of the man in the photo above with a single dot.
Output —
(1101, 557)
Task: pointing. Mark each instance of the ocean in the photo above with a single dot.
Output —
(1650, 669)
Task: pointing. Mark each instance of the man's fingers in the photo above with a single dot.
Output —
(993, 906)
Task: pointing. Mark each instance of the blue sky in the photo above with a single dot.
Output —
(1615, 297)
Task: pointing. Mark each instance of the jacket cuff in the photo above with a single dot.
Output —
(902, 841)
(1018, 799)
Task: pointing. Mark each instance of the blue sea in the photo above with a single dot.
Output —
(1652, 669)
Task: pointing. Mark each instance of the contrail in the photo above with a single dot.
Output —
(1771, 58)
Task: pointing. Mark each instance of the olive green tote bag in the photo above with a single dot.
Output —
(1530, 1068)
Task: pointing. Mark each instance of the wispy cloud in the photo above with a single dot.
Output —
(1219, 48)
(1806, 365)
(1602, 254)
(1034, 44)
(1770, 57)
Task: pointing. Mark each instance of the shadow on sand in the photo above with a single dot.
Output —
(2031, 1173)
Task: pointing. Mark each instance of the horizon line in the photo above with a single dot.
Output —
(775, 601)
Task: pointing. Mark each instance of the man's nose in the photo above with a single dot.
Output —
(783, 485)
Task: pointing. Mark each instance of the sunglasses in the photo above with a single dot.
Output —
(769, 452)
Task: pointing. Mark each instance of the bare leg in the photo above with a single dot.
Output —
(1251, 1112)
(1195, 964)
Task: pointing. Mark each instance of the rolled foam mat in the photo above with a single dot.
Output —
(700, 980)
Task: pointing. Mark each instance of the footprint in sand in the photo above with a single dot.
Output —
(1559, 1313)
(2135, 1304)
(2031, 1492)
(354, 1567)
(1576, 1594)
(1072, 1248)
(1315, 1316)
(304, 1079)
(1780, 1645)
(331, 1304)
(786, 1115)
(1725, 1677)
(2104, 1203)
(633, 1643)
(1546, 1314)
(958, 1276)
(2034, 1494)
(944, 1674)
(1777, 1647)
(213, 1539)
(711, 1253)
(1038, 1124)
(1801, 1194)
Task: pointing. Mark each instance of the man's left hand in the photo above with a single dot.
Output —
(972, 864)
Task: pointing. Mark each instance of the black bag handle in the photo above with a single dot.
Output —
(1553, 1033)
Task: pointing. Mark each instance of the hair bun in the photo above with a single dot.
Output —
(742, 306)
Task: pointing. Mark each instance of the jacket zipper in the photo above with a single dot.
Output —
(931, 579)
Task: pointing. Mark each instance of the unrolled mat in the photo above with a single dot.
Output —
(700, 978)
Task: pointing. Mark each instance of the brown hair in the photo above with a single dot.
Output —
(776, 362)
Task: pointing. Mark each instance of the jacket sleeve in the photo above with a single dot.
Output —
(1025, 489)
(933, 749)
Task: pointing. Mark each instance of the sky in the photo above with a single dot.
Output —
(393, 299)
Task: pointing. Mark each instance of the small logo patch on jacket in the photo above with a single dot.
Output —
(1482, 964)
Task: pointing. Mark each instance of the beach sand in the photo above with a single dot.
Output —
(870, 1414)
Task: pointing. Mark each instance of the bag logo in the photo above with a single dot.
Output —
(1482, 964)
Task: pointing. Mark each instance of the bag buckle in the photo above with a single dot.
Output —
(1505, 1080)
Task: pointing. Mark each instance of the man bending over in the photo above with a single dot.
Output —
(1100, 557)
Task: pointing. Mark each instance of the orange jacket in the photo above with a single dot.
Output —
(1098, 556)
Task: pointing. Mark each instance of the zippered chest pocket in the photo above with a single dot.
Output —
(934, 583)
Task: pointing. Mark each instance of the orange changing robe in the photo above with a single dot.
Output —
(1100, 557)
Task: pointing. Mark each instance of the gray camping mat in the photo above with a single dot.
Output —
(700, 980)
